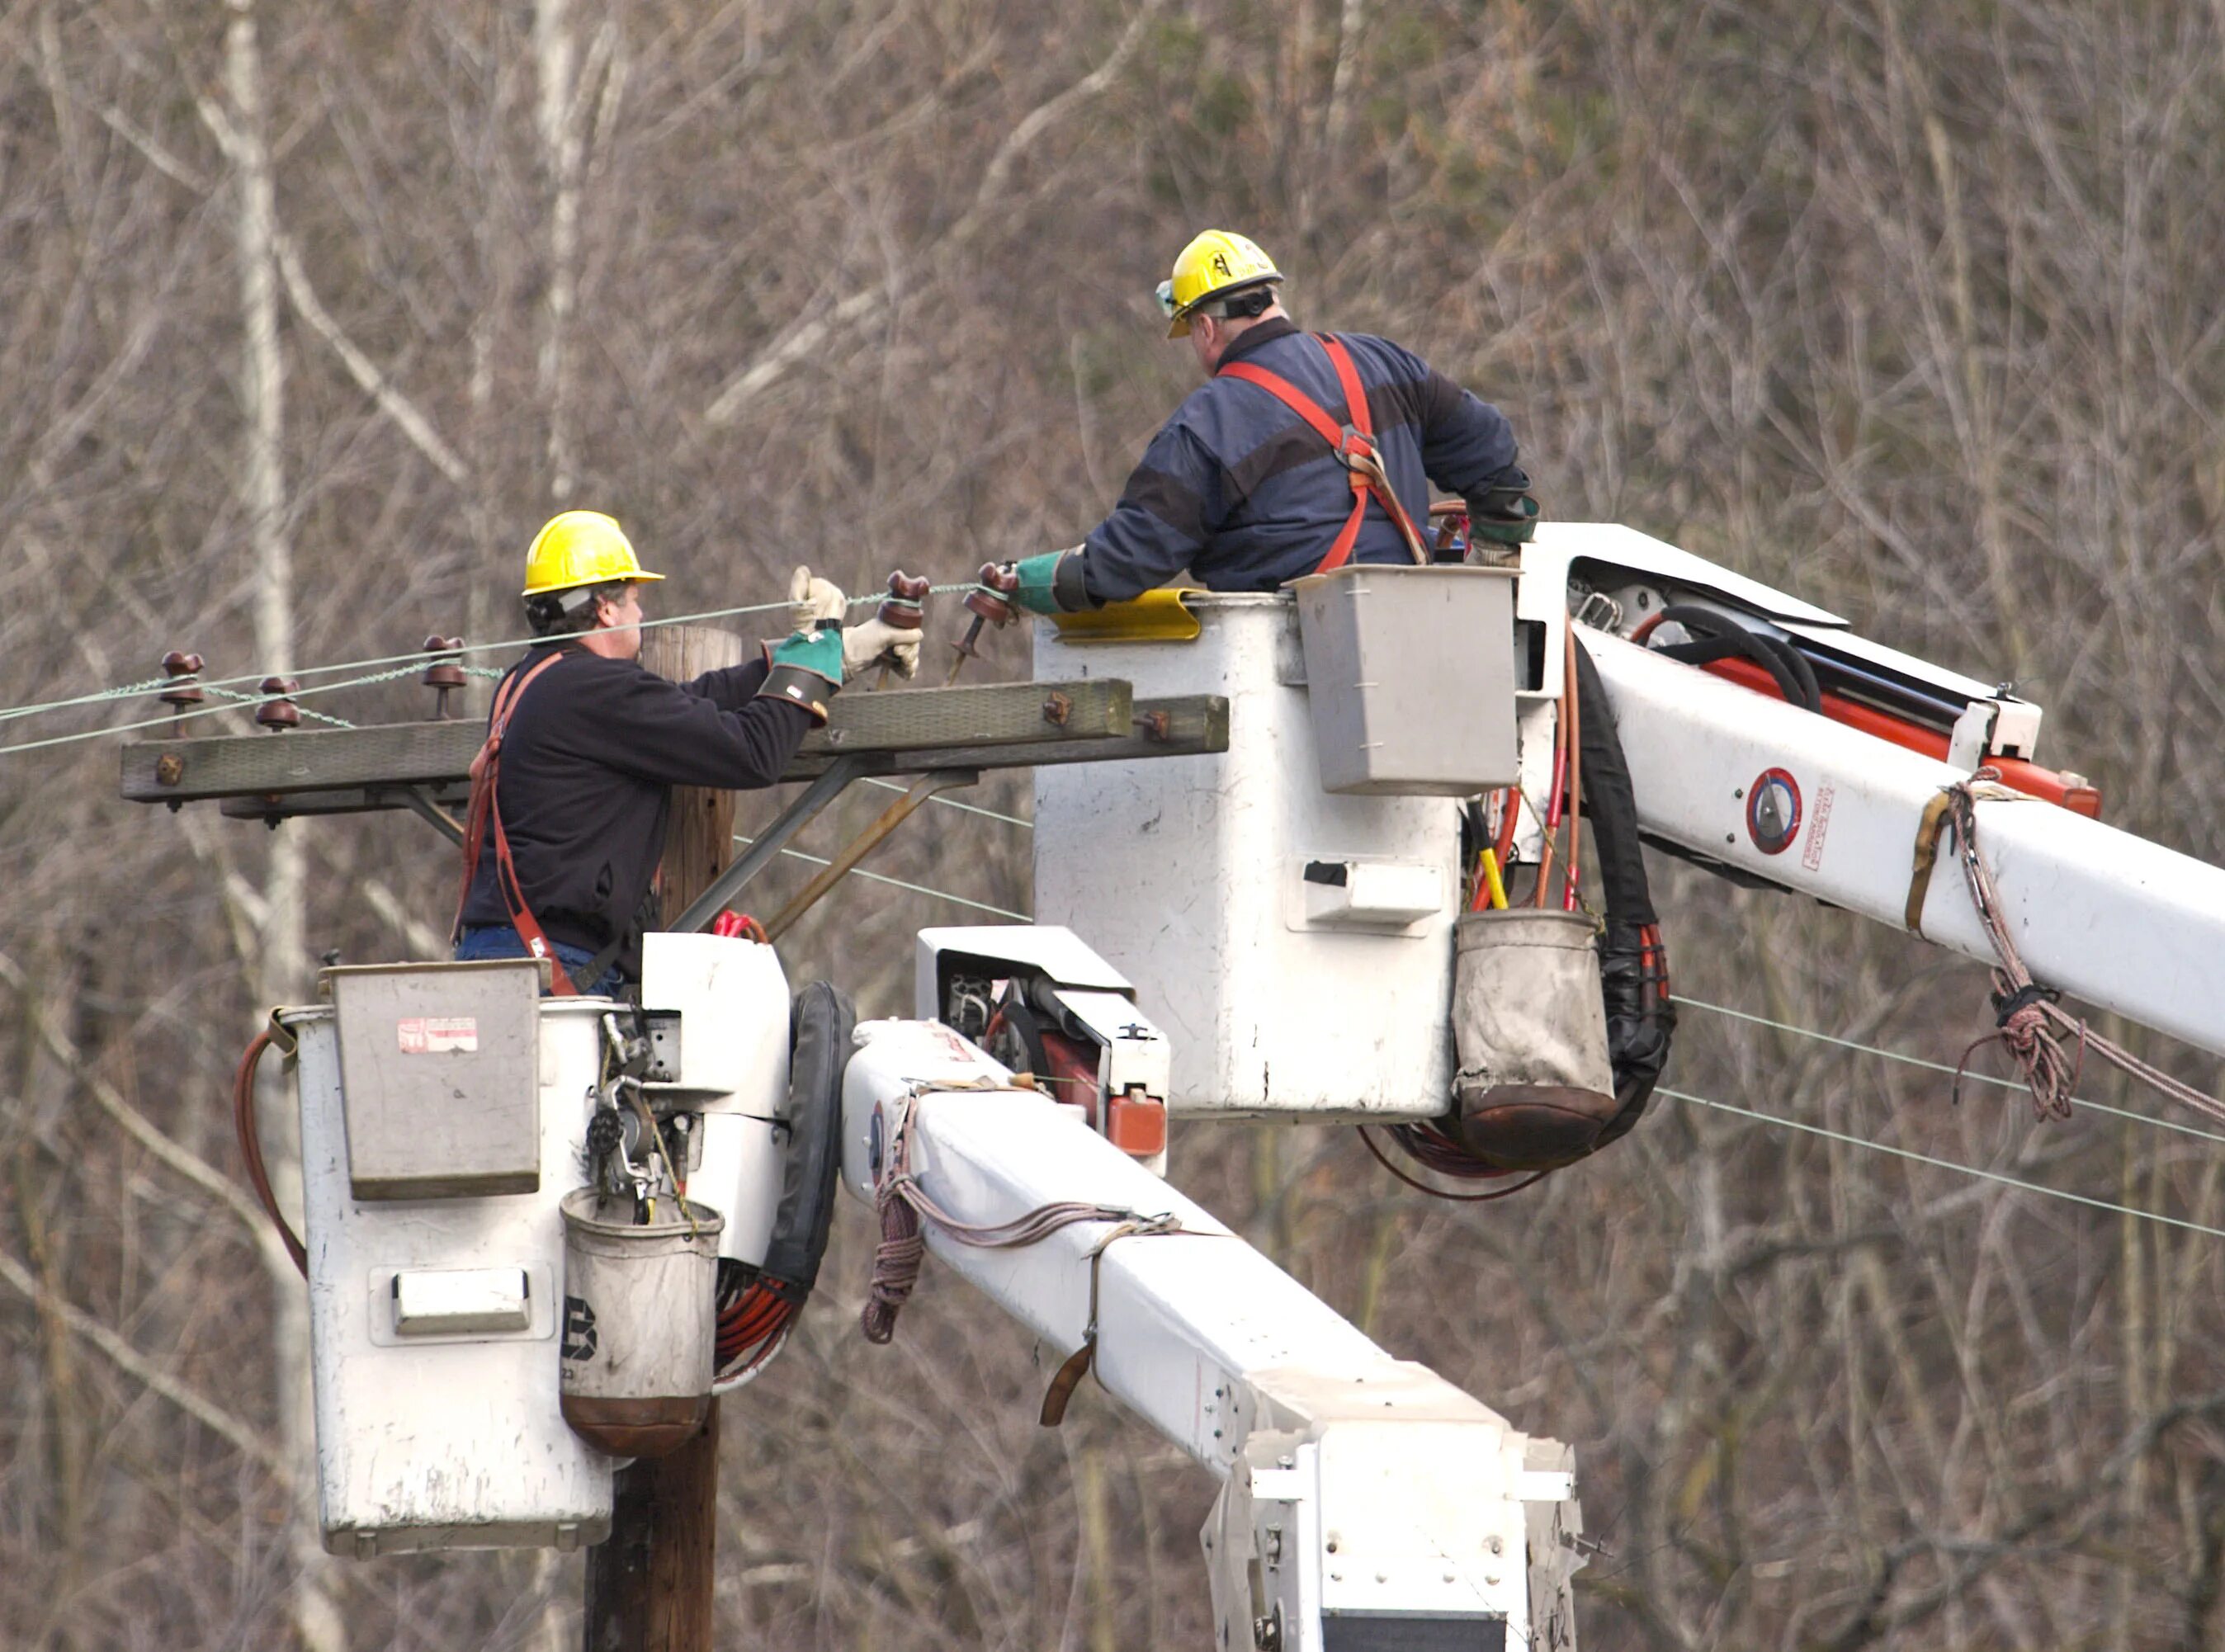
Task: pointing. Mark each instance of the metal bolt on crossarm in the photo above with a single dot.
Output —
(446, 672)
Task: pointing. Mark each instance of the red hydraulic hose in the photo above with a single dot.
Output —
(250, 1148)
(1553, 800)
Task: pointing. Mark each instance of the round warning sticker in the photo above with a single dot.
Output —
(1773, 811)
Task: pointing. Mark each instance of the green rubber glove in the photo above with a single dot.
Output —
(806, 670)
(1037, 575)
(816, 650)
(1505, 517)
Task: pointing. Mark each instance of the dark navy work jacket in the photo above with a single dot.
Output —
(593, 751)
(1236, 488)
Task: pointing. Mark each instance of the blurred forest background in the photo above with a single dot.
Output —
(310, 313)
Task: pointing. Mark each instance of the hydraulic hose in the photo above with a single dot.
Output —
(1634, 965)
(755, 1320)
(821, 1022)
(251, 1145)
(1717, 637)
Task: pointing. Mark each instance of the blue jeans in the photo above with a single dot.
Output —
(500, 940)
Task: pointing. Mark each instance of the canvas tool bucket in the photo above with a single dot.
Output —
(1532, 1087)
(640, 1311)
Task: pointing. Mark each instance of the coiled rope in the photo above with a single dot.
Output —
(2029, 1022)
(901, 1203)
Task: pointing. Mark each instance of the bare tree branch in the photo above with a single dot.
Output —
(135, 1365)
(136, 1124)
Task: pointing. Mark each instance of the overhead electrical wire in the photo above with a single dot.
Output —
(898, 882)
(1939, 1067)
(405, 662)
(1022, 821)
(1805, 1128)
(1765, 1119)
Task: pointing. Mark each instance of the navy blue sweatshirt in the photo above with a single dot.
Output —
(1238, 489)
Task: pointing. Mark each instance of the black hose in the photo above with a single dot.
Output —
(1633, 966)
(1717, 637)
(820, 1024)
(1610, 801)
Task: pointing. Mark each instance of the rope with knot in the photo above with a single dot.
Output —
(901, 1203)
(2029, 1022)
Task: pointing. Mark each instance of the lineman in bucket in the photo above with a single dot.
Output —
(1300, 452)
(572, 791)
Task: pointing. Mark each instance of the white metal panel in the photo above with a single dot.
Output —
(733, 999)
(1557, 544)
(1052, 948)
(458, 1442)
(1184, 873)
(2123, 923)
(739, 1177)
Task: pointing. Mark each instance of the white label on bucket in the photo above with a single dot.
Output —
(438, 1034)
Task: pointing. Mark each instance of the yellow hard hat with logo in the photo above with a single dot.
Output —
(1216, 264)
(580, 547)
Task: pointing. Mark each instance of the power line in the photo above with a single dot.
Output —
(408, 661)
(898, 882)
(953, 803)
(1944, 1164)
(404, 664)
(1938, 1067)
(235, 702)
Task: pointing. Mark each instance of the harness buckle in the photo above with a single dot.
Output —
(1355, 446)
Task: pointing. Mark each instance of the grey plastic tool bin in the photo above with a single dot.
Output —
(1410, 674)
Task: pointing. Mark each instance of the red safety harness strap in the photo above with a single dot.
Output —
(1354, 444)
(486, 771)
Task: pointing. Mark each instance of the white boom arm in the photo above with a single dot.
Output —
(1367, 1501)
(2108, 917)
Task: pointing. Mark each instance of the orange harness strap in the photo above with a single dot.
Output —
(486, 770)
(1354, 444)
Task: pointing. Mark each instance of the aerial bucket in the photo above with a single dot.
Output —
(640, 1310)
(1533, 1087)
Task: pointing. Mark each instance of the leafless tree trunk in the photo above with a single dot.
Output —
(562, 148)
(280, 967)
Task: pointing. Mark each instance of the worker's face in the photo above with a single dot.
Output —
(622, 618)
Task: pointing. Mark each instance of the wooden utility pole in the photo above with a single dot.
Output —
(649, 1586)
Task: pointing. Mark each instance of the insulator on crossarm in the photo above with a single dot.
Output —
(184, 689)
(905, 606)
(446, 672)
(279, 713)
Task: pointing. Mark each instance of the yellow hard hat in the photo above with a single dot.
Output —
(580, 547)
(1215, 264)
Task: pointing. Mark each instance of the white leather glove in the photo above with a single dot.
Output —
(811, 599)
(876, 640)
